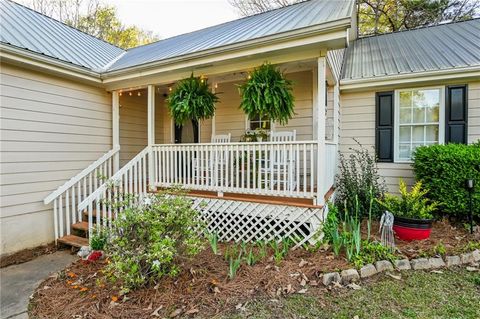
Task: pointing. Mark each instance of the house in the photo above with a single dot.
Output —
(75, 110)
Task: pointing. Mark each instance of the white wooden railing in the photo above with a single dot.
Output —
(268, 168)
(107, 200)
(75, 190)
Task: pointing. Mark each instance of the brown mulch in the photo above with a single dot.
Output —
(203, 288)
(27, 255)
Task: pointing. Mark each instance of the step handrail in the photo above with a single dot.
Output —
(97, 193)
(72, 181)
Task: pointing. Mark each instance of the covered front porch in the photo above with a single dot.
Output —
(293, 163)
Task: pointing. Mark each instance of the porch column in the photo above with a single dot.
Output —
(321, 107)
(151, 134)
(116, 129)
(336, 111)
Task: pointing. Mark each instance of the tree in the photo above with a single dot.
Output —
(381, 16)
(96, 19)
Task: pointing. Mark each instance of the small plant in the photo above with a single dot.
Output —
(372, 252)
(262, 249)
(358, 180)
(330, 223)
(440, 249)
(99, 238)
(337, 241)
(413, 204)
(234, 265)
(278, 251)
(471, 246)
(250, 258)
(213, 240)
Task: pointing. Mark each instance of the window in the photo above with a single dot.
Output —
(419, 120)
(263, 123)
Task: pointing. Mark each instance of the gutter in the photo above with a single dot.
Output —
(20, 56)
(417, 77)
(325, 28)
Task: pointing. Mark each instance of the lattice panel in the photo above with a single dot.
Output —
(249, 221)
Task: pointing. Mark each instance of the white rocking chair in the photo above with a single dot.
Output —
(278, 168)
(209, 171)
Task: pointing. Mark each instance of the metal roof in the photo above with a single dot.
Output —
(441, 47)
(28, 29)
(293, 17)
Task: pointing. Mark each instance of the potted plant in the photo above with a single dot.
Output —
(192, 99)
(268, 92)
(413, 212)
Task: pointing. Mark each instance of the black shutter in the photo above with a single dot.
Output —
(456, 114)
(384, 126)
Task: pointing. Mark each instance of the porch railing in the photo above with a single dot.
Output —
(269, 168)
(75, 190)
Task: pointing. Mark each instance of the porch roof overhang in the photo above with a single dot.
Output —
(297, 45)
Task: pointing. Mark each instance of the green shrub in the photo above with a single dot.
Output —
(372, 252)
(413, 204)
(359, 181)
(149, 242)
(443, 170)
(99, 238)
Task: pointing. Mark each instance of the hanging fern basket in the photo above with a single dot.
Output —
(268, 93)
(191, 99)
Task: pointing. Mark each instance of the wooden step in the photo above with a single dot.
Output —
(81, 226)
(74, 241)
(94, 216)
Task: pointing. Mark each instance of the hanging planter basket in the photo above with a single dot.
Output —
(268, 92)
(191, 99)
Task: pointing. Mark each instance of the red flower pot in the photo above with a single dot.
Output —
(412, 229)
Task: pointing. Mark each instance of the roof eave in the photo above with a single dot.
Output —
(23, 57)
(452, 74)
(325, 28)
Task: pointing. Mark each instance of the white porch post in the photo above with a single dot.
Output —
(321, 91)
(151, 134)
(116, 129)
(336, 111)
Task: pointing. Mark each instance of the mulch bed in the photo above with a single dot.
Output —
(203, 288)
(27, 255)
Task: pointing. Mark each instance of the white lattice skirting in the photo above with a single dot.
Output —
(249, 221)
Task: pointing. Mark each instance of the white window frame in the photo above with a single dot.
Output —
(247, 124)
(396, 133)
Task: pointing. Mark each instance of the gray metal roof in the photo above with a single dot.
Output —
(434, 48)
(28, 29)
(297, 16)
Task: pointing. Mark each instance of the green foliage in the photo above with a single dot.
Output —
(443, 170)
(330, 224)
(99, 238)
(440, 249)
(413, 204)
(234, 265)
(358, 180)
(148, 242)
(372, 252)
(250, 257)
(192, 99)
(268, 92)
(213, 240)
(262, 249)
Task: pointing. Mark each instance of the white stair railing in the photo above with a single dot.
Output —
(75, 190)
(131, 179)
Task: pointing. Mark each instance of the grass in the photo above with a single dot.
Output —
(452, 294)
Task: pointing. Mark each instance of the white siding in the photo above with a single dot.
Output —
(51, 129)
(358, 121)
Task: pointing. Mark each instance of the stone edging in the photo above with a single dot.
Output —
(352, 275)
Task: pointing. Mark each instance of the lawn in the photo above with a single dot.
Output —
(450, 294)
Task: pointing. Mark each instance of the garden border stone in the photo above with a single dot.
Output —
(402, 264)
(420, 264)
(349, 276)
(451, 261)
(330, 278)
(383, 265)
(436, 262)
(368, 271)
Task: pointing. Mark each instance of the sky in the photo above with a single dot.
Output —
(172, 17)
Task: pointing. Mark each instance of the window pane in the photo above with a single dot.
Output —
(405, 115)
(417, 134)
(405, 132)
(404, 151)
(431, 133)
(405, 99)
(432, 114)
(418, 115)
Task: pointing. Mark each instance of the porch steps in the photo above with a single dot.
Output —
(80, 226)
(73, 240)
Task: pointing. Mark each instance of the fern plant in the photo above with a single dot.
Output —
(268, 92)
(192, 99)
(413, 204)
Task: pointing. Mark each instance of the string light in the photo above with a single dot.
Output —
(120, 93)
(130, 93)
(216, 85)
(170, 89)
(249, 76)
(139, 94)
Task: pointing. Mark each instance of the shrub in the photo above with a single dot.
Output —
(413, 204)
(358, 180)
(372, 252)
(99, 238)
(443, 169)
(148, 242)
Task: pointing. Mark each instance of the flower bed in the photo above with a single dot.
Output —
(203, 286)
